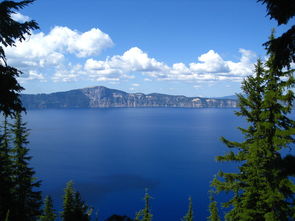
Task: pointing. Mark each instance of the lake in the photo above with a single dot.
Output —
(114, 154)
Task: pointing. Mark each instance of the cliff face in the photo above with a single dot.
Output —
(102, 97)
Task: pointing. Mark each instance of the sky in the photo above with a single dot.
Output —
(181, 47)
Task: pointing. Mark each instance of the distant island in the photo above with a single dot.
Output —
(103, 97)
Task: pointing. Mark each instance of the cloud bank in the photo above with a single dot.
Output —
(209, 66)
(42, 53)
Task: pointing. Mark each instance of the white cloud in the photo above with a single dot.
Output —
(16, 16)
(32, 75)
(135, 85)
(82, 45)
(49, 53)
(211, 62)
(210, 66)
(67, 73)
(42, 52)
(132, 61)
(245, 66)
(42, 49)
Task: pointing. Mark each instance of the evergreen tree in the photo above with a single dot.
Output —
(7, 216)
(213, 209)
(5, 172)
(10, 32)
(68, 202)
(27, 200)
(283, 47)
(48, 213)
(81, 211)
(145, 214)
(74, 208)
(261, 188)
(190, 214)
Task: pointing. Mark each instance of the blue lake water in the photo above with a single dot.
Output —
(113, 154)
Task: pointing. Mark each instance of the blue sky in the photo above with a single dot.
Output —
(189, 47)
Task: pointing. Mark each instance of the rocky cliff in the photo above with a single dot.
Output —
(102, 97)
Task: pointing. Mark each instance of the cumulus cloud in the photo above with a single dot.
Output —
(122, 66)
(211, 62)
(68, 73)
(16, 16)
(33, 75)
(210, 66)
(49, 53)
(41, 51)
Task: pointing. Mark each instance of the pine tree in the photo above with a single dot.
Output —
(261, 188)
(68, 202)
(74, 208)
(276, 132)
(81, 210)
(190, 214)
(7, 216)
(145, 214)
(283, 47)
(10, 32)
(5, 172)
(27, 200)
(48, 213)
(213, 209)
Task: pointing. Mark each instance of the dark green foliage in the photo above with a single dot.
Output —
(5, 172)
(280, 10)
(261, 188)
(7, 216)
(68, 203)
(27, 201)
(10, 32)
(145, 213)
(190, 213)
(9, 90)
(283, 47)
(74, 208)
(118, 218)
(213, 209)
(48, 213)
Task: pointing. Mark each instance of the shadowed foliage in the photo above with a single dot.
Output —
(283, 47)
(48, 213)
(10, 32)
(262, 188)
(118, 218)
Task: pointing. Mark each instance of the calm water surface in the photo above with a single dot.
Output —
(112, 155)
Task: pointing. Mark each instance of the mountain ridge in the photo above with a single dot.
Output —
(103, 97)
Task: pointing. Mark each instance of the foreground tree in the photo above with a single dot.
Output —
(283, 47)
(213, 209)
(262, 189)
(145, 213)
(48, 213)
(5, 172)
(74, 208)
(190, 213)
(27, 200)
(118, 218)
(10, 32)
